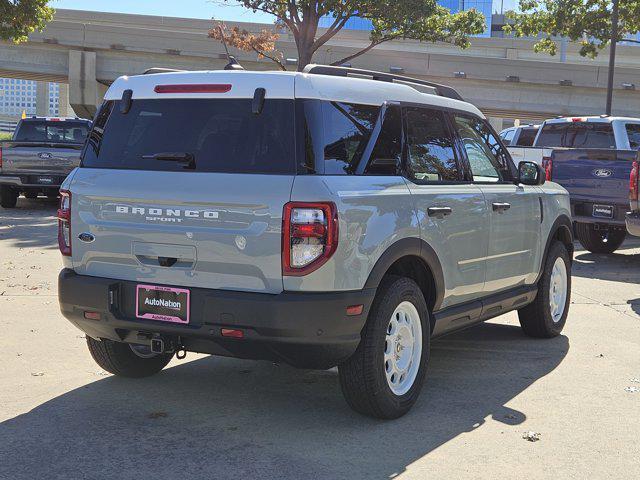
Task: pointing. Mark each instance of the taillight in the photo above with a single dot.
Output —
(64, 223)
(633, 184)
(309, 236)
(547, 164)
(0, 157)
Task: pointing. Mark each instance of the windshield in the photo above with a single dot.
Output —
(205, 135)
(52, 131)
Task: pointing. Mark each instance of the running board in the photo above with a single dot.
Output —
(458, 317)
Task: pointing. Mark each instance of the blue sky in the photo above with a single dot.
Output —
(186, 8)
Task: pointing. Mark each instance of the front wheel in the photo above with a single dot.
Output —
(126, 360)
(385, 375)
(599, 241)
(8, 197)
(547, 315)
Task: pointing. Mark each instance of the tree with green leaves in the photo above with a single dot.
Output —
(596, 24)
(422, 20)
(585, 21)
(18, 18)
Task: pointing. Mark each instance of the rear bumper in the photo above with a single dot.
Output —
(633, 223)
(32, 180)
(306, 330)
(582, 212)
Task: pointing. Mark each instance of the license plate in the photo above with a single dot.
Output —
(164, 304)
(45, 180)
(603, 211)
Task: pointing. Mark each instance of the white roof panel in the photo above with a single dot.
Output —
(284, 85)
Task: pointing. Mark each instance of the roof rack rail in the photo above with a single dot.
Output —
(441, 90)
(152, 70)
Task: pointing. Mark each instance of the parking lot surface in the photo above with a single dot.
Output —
(217, 418)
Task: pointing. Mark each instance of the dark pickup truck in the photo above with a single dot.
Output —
(38, 158)
(592, 157)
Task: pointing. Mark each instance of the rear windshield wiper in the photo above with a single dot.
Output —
(182, 157)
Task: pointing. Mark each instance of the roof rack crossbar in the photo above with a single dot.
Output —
(441, 90)
(152, 70)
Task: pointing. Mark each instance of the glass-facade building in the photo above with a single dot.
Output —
(18, 95)
(483, 6)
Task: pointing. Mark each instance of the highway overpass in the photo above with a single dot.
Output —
(503, 77)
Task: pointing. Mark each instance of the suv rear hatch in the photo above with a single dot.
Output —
(186, 191)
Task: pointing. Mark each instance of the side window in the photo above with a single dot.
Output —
(487, 158)
(347, 129)
(431, 157)
(633, 132)
(387, 153)
(527, 137)
(507, 136)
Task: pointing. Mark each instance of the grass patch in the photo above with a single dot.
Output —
(5, 136)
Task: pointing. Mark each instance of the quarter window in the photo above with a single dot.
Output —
(387, 153)
(431, 155)
(487, 159)
(633, 132)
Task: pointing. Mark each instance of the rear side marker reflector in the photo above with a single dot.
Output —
(232, 333)
(355, 310)
(92, 315)
(193, 88)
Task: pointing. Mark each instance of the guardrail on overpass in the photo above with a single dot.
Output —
(503, 77)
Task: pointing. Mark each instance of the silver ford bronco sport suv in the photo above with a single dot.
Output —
(334, 217)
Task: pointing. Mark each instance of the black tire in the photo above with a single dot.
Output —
(363, 377)
(536, 318)
(119, 359)
(8, 197)
(599, 241)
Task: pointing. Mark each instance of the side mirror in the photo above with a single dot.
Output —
(530, 173)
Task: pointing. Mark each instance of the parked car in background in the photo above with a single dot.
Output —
(520, 136)
(592, 157)
(39, 156)
(520, 140)
(334, 217)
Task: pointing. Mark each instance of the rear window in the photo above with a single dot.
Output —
(577, 135)
(53, 132)
(527, 137)
(219, 135)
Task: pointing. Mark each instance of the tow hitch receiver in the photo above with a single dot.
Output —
(157, 345)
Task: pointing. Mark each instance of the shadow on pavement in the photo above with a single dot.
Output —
(31, 224)
(224, 418)
(620, 266)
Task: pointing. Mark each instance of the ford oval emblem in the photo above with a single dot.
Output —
(86, 237)
(602, 172)
(45, 155)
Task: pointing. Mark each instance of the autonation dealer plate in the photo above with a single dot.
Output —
(604, 211)
(164, 304)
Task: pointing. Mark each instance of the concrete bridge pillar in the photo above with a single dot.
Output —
(42, 99)
(85, 93)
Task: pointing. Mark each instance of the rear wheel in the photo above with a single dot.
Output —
(547, 315)
(385, 375)
(126, 360)
(599, 241)
(8, 197)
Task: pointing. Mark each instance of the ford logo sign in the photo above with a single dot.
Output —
(602, 172)
(45, 155)
(86, 237)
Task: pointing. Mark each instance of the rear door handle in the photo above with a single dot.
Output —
(439, 212)
(501, 207)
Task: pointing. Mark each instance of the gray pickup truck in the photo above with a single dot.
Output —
(40, 155)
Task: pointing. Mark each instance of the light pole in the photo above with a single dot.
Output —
(612, 55)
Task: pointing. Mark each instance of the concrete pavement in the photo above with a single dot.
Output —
(216, 418)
